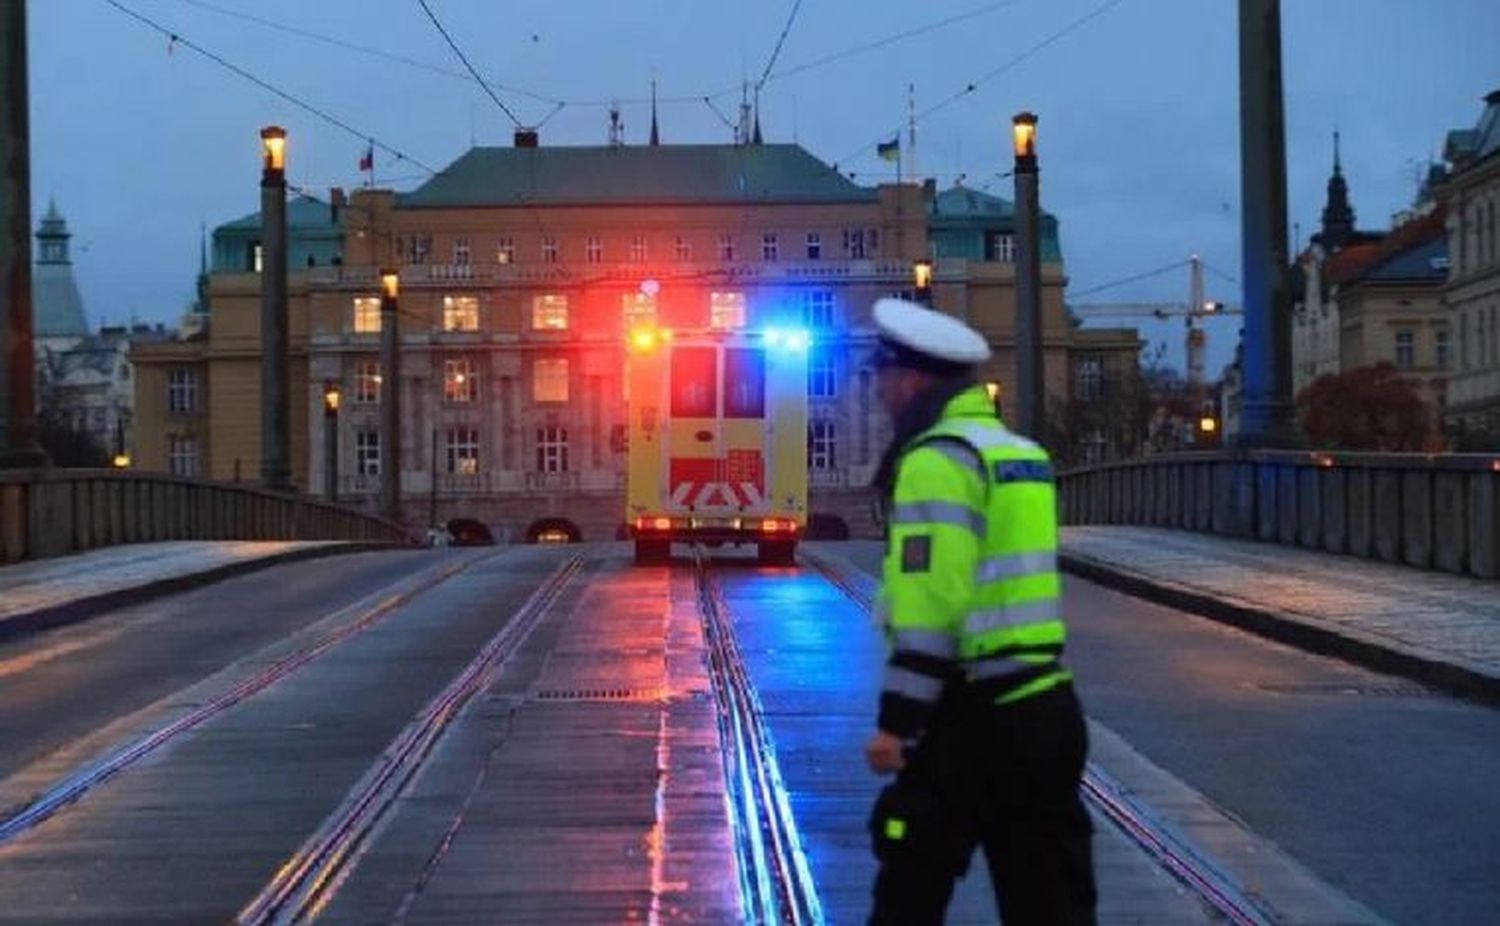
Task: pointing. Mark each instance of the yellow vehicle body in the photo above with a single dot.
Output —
(717, 440)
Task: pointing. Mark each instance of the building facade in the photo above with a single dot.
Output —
(522, 270)
(1472, 197)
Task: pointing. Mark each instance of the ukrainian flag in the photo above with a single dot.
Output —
(889, 150)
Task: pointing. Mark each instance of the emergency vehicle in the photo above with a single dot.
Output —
(717, 439)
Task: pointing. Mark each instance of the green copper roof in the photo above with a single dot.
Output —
(302, 212)
(665, 174)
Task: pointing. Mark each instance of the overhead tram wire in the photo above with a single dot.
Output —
(1177, 265)
(179, 39)
(464, 58)
(1228, 278)
(988, 76)
(780, 41)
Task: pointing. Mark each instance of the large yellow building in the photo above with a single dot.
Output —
(521, 269)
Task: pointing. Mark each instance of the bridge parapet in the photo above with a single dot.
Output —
(56, 511)
(1437, 511)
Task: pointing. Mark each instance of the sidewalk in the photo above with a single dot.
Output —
(1439, 629)
(49, 592)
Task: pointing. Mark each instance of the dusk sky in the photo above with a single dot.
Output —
(140, 142)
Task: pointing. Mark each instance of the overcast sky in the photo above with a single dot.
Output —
(140, 142)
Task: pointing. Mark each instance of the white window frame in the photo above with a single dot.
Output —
(682, 249)
(727, 310)
(814, 246)
(822, 373)
(182, 455)
(366, 315)
(367, 452)
(549, 250)
(822, 445)
(549, 380)
(460, 313)
(549, 312)
(637, 310)
(726, 247)
(770, 247)
(505, 251)
(461, 252)
(461, 451)
(460, 380)
(182, 390)
(551, 449)
(854, 243)
(1090, 375)
(367, 382)
(593, 250)
(1095, 447)
(638, 249)
(819, 308)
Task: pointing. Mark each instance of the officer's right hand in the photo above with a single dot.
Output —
(885, 753)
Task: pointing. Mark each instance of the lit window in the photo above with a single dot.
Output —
(817, 308)
(682, 249)
(821, 381)
(770, 249)
(549, 312)
(182, 390)
(182, 456)
(639, 310)
(460, 313)
(552, 450)
(593, 250)
(814, 246)
(505, 251)
(638, 250)
(367, 382)
(367, 453)
(726, 310)
(1090, 378)
(463, 451)
(461, 251)
(1406, 350)
(726, 247)
(366, 314)
(821, 447)
(549, 250)
(460, 380)
(549, 380)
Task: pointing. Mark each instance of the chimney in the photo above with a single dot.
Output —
(526, 138)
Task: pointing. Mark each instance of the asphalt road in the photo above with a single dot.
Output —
(1384, 789)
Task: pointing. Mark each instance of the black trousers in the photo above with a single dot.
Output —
(1004, 778)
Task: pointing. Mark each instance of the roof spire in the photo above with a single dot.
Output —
(1338, 215)
(655, 134)
(1337, 168)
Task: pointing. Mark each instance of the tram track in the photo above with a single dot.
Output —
(1215, 888)
(776, 883)
(308, 881)
(356, 618)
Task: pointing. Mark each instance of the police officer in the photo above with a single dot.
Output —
(978, 718)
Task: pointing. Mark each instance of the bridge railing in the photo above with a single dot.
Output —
(56, 511)
(1439, 511)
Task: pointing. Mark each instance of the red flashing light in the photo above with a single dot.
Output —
(773, 525)
(662, 524)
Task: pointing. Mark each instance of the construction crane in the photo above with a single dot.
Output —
(1198, 306)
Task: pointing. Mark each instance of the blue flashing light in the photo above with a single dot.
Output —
(790, 339)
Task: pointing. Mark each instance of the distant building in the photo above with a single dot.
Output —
(521, 270)
(1472, 197)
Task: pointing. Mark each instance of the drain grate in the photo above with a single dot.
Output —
(598, 694)
(1386, 690)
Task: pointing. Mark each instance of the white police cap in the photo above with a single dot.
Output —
(930, 334)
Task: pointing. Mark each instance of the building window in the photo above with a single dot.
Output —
(821, 383)
(367, 382)
(726, 247)
(593, 250)
(1406, 349)
(1000, 246)
(366, 314)
(463, 451)
(682, 249)
(817, 308)
(182, 390)
(1440, 348)
(549, 380)
(1090, 378)
(726, 310)
(460, 380)
(552, 450)
(182, 456)
(549, 312)
(549, 250)
(367, 453)
(1463, 339)
(814, 246)
(461, 251)
(821, 445)
(505, 251)
(1095, 446)
(257, 257)
(638, 249)
(854, 244)
(460, 313)
(639, 310)
(770, 248)
(421, 246)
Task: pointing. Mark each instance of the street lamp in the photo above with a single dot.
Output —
(275, 409)
(333, 397)
(1031, 400)
(390, 395)
(921, 275)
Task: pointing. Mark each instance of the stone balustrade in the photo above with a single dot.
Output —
(1438, 511)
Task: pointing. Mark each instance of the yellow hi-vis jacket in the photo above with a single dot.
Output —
(971, 593)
